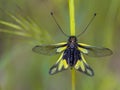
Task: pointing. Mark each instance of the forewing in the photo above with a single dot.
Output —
(50, 49)
(60, 65)
(94, 51)
(82, 66)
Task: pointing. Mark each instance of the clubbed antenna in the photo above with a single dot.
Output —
(87, 25)
(58, 24)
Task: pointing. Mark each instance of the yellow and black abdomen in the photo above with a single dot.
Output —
(71, 55)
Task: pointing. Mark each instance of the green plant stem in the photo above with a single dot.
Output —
(72, 17)
(73, 79)
(72, 33)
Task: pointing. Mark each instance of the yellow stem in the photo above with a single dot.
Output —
(72, 17)
(73, 78)
(72, 33)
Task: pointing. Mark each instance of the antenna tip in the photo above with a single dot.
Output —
(51, 13)
(95, 14)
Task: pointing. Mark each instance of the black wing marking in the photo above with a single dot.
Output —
(94, 51)
(50, 49)
(60, 65)
(82, 66)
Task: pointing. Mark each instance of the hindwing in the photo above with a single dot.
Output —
(60, 65)
(82, 66)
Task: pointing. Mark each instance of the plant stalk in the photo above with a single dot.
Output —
(72, 33)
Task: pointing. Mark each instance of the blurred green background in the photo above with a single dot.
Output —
(26, 23)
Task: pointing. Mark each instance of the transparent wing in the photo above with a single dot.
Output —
(60, 65)
(82, 66)
(94, 51)
(50, 49)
